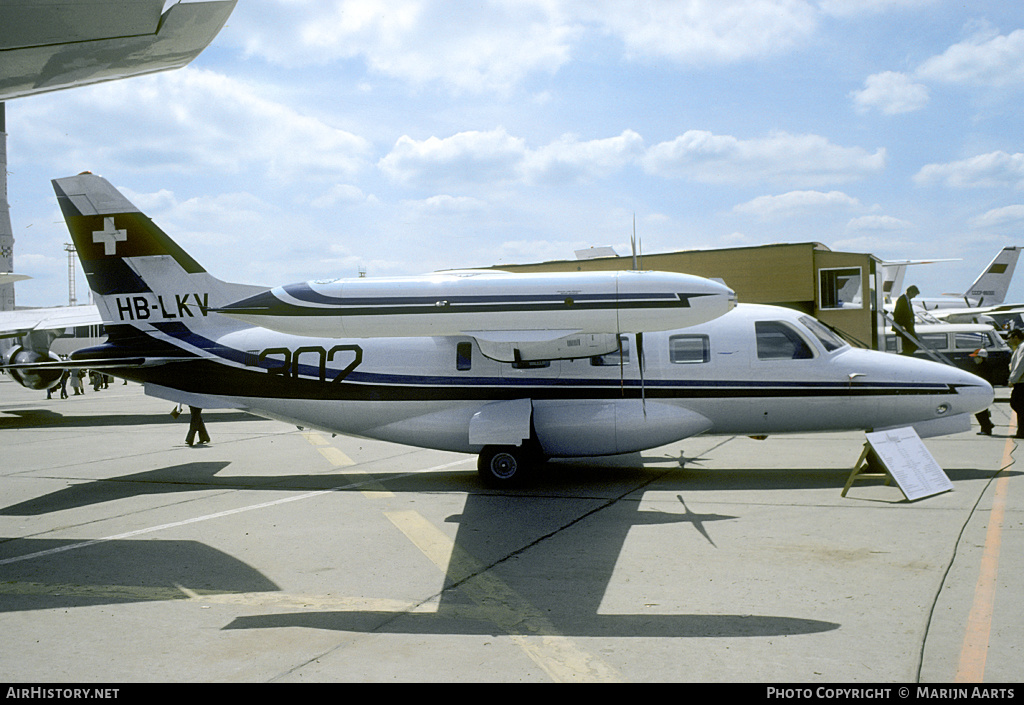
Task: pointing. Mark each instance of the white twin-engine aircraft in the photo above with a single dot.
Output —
(513, 367)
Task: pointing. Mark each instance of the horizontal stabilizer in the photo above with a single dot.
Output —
(107, 363)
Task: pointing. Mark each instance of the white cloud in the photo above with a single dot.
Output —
(466, 46)
(495, 157)
(994, 169)
(878, 222)
(781, 158)
(698, 32)
(794, 202)
(189, 120)
(339, 194)
(892, 93)
(1007, 215)
(445, 204)
(848, 8)
(495, 45)
(570, 159)
(983, 59)
(467, 157)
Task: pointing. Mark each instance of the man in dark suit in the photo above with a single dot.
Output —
(904, 317)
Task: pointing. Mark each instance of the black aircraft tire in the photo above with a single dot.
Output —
(503, 466)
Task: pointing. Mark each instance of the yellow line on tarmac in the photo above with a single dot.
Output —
(560, 658)
(529, 629)
(336, 457)
(148, 593)
(979, 622)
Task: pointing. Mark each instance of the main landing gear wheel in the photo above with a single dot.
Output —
(504, 466)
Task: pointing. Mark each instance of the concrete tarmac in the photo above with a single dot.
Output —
(278, 555)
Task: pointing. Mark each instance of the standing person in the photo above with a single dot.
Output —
(76, 381)
(64, 383)
(1015, 381)
(196, 425)
(983, 370)
(903, 315)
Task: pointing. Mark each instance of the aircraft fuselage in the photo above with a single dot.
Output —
(756, 370)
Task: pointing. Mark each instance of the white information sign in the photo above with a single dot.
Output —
(909, 462)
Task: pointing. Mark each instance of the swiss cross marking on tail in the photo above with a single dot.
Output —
(109, 236)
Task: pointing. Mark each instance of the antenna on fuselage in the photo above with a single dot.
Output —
(637, 247)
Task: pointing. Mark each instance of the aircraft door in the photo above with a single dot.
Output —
(795, 384)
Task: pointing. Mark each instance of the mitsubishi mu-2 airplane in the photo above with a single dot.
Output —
(516, 368)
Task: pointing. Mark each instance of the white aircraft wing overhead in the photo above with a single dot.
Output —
(14, 324)
(48, 45)
(10, 278)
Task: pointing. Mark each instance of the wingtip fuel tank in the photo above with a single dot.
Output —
(456, 303)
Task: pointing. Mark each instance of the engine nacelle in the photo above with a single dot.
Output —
(572, 428)
(32, 379)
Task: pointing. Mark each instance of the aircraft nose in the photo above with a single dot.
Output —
(973, 393)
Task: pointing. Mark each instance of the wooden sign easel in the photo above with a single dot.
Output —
(899, 455)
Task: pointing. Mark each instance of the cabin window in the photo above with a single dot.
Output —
(840, 288)
(778, 341)
(828, 339)
(689, 349)
(613, 358)
(464, 356)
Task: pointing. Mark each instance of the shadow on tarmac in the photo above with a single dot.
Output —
(116, 572)
(545, 556)
(573, 478)
(47, 418)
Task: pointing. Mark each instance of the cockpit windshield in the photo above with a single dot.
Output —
(830, 340)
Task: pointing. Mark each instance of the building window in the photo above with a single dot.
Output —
(840, 288)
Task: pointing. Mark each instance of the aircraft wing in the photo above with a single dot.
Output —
(952, 313)
(48, 45)
(9, 278)
(14, 324)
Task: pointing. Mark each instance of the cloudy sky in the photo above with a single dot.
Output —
(317, 137)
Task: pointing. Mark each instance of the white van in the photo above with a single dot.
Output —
(957, 342)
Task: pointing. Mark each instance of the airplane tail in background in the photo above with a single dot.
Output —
(139, 276)
(990, 288)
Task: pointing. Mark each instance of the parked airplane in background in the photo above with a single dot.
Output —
(983, 302)
(753, 370)
(893, 273)
(38, 328)
(989, 289)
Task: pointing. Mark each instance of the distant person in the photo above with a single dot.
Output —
(64, 383)
(1014, 339)
(196, 425)
(983, 369)
(904, 317)
(76, 381)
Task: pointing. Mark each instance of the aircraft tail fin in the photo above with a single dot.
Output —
(138, 275)
(990, 287)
